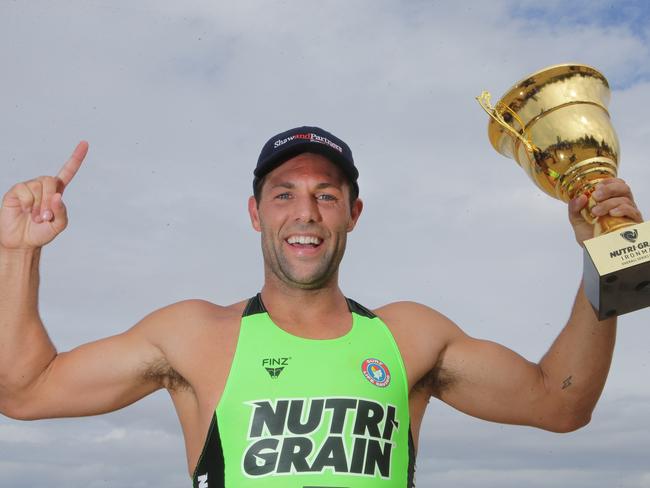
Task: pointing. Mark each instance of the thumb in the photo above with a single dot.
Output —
(60, 214)
(575, 206)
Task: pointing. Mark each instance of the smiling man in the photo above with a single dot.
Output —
(298, 386)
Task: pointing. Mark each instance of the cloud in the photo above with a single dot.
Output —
(22, 434)
(177, 99)
(113, 435)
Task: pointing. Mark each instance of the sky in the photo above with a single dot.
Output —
(176, 100)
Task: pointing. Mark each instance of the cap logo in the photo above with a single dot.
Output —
(309, 136)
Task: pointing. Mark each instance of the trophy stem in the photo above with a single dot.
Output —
(582, 177)
(607, 224)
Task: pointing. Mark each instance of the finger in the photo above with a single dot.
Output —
(627, 211)
(609, 181)
(73, 164)
(50, 186)
(36, 189)
(603, 207)
(612, 187)
(19, 196)
(618, 207)
(578, 203)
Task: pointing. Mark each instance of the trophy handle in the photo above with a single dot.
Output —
(497, 115)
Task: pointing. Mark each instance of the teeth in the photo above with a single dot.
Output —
(304, 240)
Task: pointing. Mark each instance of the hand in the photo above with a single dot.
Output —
(32, 212)
(613, 197)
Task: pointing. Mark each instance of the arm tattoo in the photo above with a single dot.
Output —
(567, 382)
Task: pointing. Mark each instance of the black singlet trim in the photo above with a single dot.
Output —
(255, 305)
(410, 483)
(359, 309)
(211, 462)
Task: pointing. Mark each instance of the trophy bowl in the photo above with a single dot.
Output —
(554, 123)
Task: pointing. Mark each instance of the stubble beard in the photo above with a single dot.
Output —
(278, 265)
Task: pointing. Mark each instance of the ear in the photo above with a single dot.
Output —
(355, 213)
(254, 214)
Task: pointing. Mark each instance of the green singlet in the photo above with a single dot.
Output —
(304, 413)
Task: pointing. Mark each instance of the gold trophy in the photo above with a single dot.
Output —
(555, 124)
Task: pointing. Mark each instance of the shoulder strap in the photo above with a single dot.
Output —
(254, 306)
(359, 309)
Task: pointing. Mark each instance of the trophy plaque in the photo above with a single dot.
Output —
(555, 125)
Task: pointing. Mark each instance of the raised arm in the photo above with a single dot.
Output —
(559, 393)
(35, 381)
(489, 381)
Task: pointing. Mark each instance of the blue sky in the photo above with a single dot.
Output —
(629, 17)
(632, 15)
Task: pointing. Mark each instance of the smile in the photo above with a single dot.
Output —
(304, 240)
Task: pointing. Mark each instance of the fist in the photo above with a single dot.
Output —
(613, 197)
(32, 212)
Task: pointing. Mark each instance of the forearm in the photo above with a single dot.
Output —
(576, 366)
(25, 348)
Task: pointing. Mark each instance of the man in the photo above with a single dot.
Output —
(298, 386)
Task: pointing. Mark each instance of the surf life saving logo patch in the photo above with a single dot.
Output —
(376, 372)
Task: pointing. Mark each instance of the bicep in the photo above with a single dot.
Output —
(481, 378)
(94, 378)
(492, 382)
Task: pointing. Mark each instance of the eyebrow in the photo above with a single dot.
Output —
(290, 186)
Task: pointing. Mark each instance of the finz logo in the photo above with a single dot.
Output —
(274, 366)
(376, 372)
(630, 235)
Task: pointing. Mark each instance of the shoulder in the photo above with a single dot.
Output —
(414, 316)
(187, 334)
(422, 335)
(198, 308)
(184, 317)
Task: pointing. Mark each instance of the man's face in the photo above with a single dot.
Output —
(304, 215)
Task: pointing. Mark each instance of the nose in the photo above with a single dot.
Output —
(307, 210)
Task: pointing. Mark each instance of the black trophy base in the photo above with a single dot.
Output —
(618, 292)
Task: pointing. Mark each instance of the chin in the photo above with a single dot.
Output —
(309, 282)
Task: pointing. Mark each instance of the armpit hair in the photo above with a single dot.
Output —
(436, 381)
(162, 373)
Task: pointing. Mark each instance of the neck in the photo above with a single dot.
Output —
(318, 313)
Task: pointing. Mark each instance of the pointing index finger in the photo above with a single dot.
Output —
(73, 164)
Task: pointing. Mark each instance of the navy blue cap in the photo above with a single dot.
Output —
(292, 142)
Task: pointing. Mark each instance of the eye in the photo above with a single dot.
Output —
(326, 197)
(283, 196)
